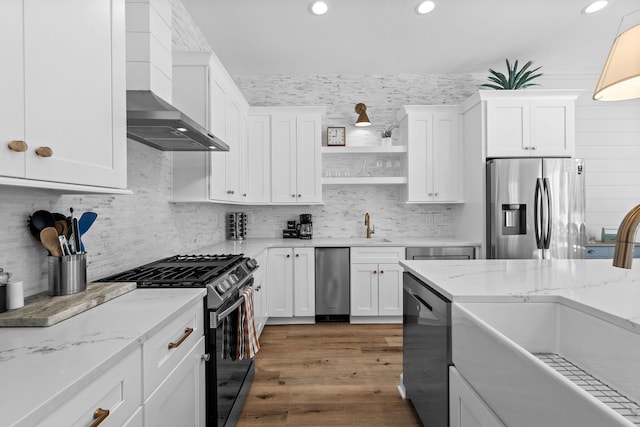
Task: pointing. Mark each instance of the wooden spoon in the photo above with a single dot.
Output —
(62, 227)
(49, 239)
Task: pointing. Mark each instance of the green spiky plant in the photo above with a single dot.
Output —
(516, 79)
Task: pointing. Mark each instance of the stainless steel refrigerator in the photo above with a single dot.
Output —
(535, 208)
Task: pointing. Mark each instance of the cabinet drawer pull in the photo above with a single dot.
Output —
(293, 195)
(534, 148)
(525, 148)
(18, 146)
(297, 255)
(430, 194)
(591, 251)
(99, 416)
(436, 194)
(244, 194)
(381, 271)
(44, 151)
(375, 272)
(258, 288)
(288, 256)
(299, 195)
(187, 332)
(230, 192)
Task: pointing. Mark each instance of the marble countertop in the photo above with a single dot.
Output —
(252, 247)
(594, 285)
(43, 367)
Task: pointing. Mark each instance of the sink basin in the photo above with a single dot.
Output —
(352, 241)
(498, 348)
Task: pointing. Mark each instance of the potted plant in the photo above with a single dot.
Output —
(386, 136)
(515, 79)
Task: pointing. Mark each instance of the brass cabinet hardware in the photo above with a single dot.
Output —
(299, 195)
(381, 271)
(430, 194)
(534, 148)
(375, 272)
(288, 256)
(44, 151)
(244, 194)
(436, 194)
(297, 255)
(205, 357)
(187, 332)
(99, 416)
(258, 288)
(18, 146)
(525, 148)
(230, 192)
(293, 195)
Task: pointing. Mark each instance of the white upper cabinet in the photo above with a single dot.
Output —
(68, 102)
(432, 136)
(258, 159)
(296, 164)
(530, 123)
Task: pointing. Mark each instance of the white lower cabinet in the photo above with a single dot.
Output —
(114, 397)
(466, 407)
(291, 278)
(136, 419)
(376, 287)
(180, 399)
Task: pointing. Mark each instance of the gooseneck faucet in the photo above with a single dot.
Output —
(623, 255)
(367, 222)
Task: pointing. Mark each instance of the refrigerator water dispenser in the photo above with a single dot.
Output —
(514, 219)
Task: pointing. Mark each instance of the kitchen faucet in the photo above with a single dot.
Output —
(367, 221)
(623, 256)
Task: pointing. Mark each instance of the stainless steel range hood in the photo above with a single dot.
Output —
(155, 122)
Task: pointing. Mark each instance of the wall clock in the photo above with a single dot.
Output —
(336, 136)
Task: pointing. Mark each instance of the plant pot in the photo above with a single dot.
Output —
(387, 142)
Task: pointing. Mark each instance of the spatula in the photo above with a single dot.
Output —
(49, 239)
(84, 223)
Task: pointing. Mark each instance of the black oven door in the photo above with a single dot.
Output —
(228, 381)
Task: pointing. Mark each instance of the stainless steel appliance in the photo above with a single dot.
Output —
(441, 252)
(305, 228)
(225, 277)
(426, 351)
(332, 284)
(535, 208)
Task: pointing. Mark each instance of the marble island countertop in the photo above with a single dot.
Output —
(594, 286)
(41, 368)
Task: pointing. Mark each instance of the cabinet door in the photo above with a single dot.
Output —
(308, 161)
(364, 289)
(12, 88)
(280, 279)
(259, 293)
(552, 128)
(180, 399)
(259, 159)
(419, 160)
(75, 91)
(234, 155)
(445, 160)
(466, 408)
(304, 279)
(118, 390)
(508, 128)
(283, 158)
(390, 290)
(218, 104)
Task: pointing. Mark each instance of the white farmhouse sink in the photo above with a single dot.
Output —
(494, 346)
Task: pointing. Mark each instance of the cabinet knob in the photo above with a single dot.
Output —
(525, 148)
(293, 195)
(375, 272)
(534, 148)
(299, 195)
(244, 194)
(205, 357)
(99, 416)
(381, 271)
(230, 192)
(297, 255)
(44, 151)
(258, 288)
(288, 256)
(18, 146)
(430, 194)
(436, 194)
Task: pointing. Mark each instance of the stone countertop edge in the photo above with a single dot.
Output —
(44, 310)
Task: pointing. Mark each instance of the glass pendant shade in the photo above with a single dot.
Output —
(620, 78)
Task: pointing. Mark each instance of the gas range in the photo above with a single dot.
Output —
(222, 275)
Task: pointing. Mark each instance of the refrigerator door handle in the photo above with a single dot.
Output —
(537, 213)
(547, 192)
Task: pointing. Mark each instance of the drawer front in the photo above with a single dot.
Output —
(162, 352)
(118, 390)
(599, 252)
(378, 254)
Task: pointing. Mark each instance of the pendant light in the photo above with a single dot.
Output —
(620, 78)
(363, 119)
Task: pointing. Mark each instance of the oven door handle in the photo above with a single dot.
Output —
(220, 317)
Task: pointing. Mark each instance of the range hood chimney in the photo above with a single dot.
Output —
(151, 119)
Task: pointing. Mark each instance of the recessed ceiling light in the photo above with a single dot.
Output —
(425, 7)
(318, 7)
(595, 6)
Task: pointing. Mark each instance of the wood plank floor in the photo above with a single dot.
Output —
(328, 374)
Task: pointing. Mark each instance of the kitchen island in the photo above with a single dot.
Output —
(510, 317)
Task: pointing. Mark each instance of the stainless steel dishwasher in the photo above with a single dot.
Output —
(441, 252)
(332, 284)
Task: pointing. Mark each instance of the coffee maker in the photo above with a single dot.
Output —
(305, 228)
